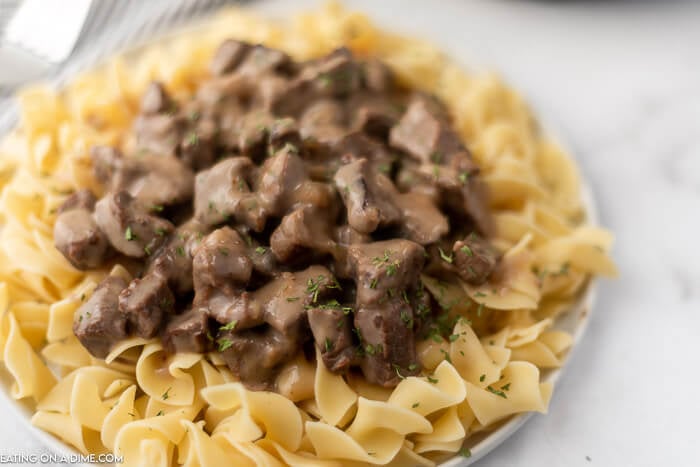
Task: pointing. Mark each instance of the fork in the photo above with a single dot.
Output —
(39, 36)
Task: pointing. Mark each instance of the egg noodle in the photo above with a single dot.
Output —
(157, 410)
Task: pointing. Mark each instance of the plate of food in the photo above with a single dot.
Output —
(310, 242)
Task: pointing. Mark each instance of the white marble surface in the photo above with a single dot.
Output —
(621, 80)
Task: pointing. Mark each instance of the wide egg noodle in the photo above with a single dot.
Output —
(157, 410)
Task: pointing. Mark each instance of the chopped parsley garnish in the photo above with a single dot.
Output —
(397, 368)
(445, 257)
(472, 273)
(412, 367)
(480, 309)
(468, 251)
(223, 251)
(292, 299)
(373, 284)
(446, 354)
(192, 138)
(230, 326)
(415, 404)
(432, 380)
(224, 343)
(157, 208)
(453, 337)
(482, 378)
(160, 231)
(313, 287)
(406, 318)
(497, 392)
(180, 251)
(370, 350)
(329, 345)
(391, 269)
(147, 250)
(128, 234)
(166, 394)
(465, 452)
(160, 413)
(261, 250)
(82, 297)
(464, 177)
(506, 387)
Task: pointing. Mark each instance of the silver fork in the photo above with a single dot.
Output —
(40, 35)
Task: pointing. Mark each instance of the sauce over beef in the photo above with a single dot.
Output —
(285, 205)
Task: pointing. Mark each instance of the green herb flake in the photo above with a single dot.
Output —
(128, 234)
(329, 345)
(466, 250)
(166, 394)
(464, 177)
(506, 387)
(369, 349)
(454, 337)
(482, 378)
(397, 368)
(230, 326)
(180, 250)
(224, 344)
(261, 250)
(445, 257)
(160, 231)
(497, 392)
(415, 405)
(465, 452)
(160, 413)
(412, 367)
(432, 380)
(480, 309)
(373, 284)
(292, 299)
(147, 250)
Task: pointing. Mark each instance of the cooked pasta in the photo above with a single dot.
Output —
(154, 409)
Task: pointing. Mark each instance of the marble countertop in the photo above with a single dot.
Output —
(621, 82)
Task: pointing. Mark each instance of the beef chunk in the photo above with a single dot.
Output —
(282, 132)
(166, 130)
(187, 332)
(130, 228)
(154, 180)
(145, 303)
(475, 259)
(422, 222)
(98, 324)
(384, 317)
(377, 77)
(223, 192)
(304, 228)
(281, 178)
(346, 235)
(221, 260)
(424, 132)
(156, 100)
(388, 342)
(261, 60)
(81, 199)
(336, 74)
(228, 56)
(365, 196)
(384, 268)
(373, 115)
(323, 122)
(331, 327)
(173, 260)
(77, 236)
(255, 355)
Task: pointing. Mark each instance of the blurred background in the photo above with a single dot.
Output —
(618, 82)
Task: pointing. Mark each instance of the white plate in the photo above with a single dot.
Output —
(573, 321)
